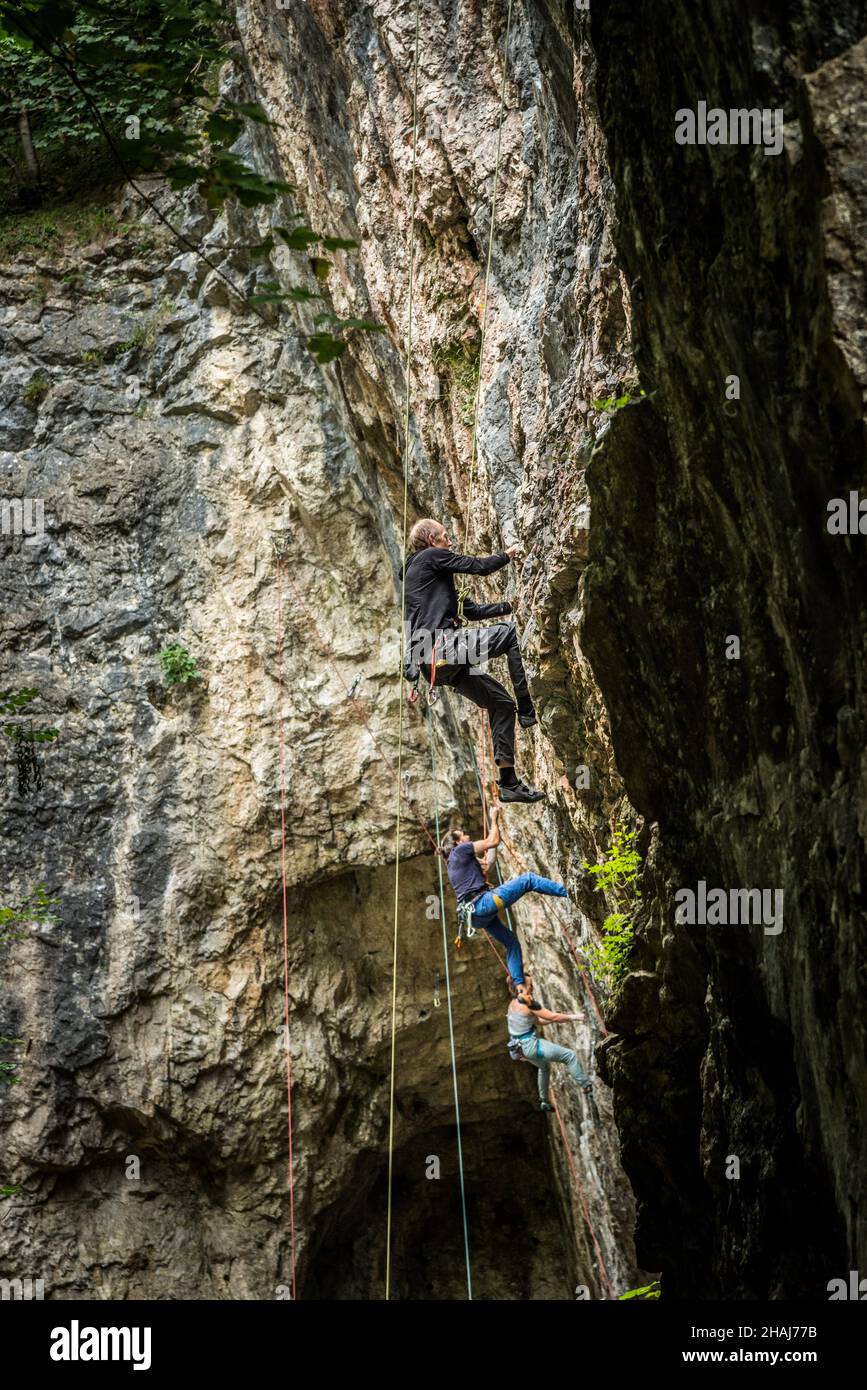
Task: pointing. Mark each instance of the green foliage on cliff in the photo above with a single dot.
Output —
(9, 1070)
(644, 1294)
(610, 959)
(36, 909)
(460, 361)
(615, 403)
(81, 75)
(35, 391)
(14, 703)
(24, 738)
(67, 227)
(179, 668)
(100, 90)
(616, 876)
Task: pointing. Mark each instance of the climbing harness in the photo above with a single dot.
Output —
(516, 1051)
(412, 672)
(432, 692)
(465, 921)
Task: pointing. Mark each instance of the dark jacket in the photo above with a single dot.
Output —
(431, 603)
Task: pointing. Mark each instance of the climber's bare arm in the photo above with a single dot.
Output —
(481, 847)
(544, 1016)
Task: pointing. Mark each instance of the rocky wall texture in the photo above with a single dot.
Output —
(710, 520)
(622, 262)
(173, 434)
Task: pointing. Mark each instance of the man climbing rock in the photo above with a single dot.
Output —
(448, 654)
(478, 905)
(524, 1016)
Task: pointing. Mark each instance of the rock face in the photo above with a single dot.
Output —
(172, 434)
(710, 520)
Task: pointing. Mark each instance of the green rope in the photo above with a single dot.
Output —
(449, 1001)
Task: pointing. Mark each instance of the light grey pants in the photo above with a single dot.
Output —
(542, 1053)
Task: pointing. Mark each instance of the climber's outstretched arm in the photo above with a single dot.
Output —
(544, 1016)
(481, 847)
(443, 559)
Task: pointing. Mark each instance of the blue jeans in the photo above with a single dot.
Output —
(487, 906)
(544, 1053)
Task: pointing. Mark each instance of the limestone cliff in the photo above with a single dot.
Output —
(174, 434)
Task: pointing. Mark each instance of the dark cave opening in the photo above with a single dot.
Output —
(518, 1234)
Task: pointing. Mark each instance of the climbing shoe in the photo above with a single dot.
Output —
(527, 718)
(520, 792)
(587, 1087)
(545, 1106)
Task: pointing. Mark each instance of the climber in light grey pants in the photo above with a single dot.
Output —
(547, 1052)
(523, 1016)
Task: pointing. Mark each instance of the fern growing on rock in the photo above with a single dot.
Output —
(616, 876)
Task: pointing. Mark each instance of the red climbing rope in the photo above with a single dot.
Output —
(581, 1197)
(280, 720)
(500, 958)
(486, 725)
(482, 779)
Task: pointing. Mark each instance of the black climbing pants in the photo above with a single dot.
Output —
(465, 650)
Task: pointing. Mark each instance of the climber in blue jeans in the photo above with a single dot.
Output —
(479, 905)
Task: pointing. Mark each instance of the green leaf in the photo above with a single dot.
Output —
(252, 110)
(298, 239)
(223, 129)
(140, 68)
(338, 243)
(648, 1291)
(325, 347)
(363, 325)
